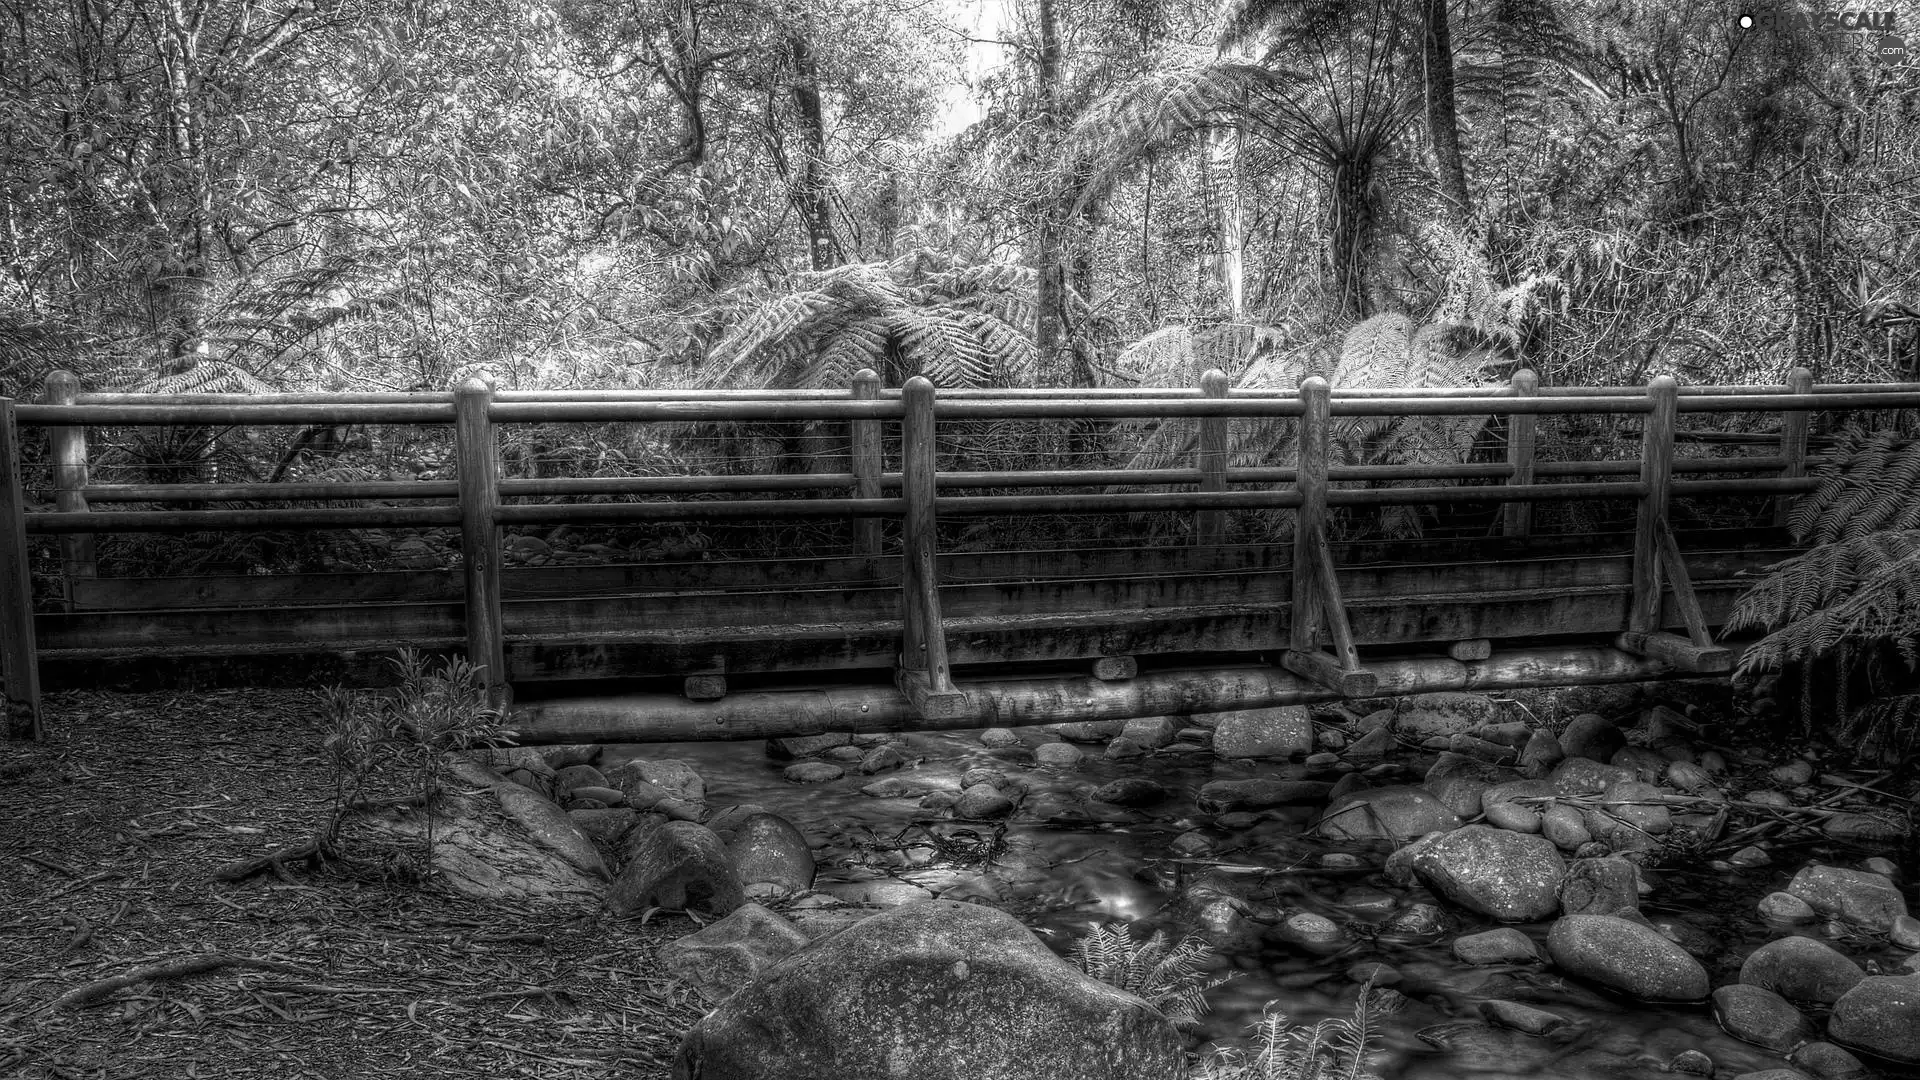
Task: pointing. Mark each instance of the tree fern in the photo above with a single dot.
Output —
(1163, 971)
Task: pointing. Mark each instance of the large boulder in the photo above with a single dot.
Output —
(1510, 876)
(1858, 896)
(1264, 733)
(1880, 1015)
(1627, 956)
(671, 775)
(935, 990)
(1390, 813)
(1801, 969)
(723, 956)
(675, 865)
(1224, 796)
(768, 850)
(493, 839)
(1592, 736)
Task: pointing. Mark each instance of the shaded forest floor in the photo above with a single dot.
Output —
(110, 834)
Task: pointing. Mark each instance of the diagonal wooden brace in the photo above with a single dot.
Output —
(1696, 652)
(1317, 604)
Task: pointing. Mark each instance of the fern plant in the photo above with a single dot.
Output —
(1852, 603)
(1163, 971)
(1337, 1048)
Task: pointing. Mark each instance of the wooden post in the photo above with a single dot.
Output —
(1793, 442)
(1210, 457)
(19, 659)
(69, 446)
(479, 480)
(1310, 522)
(864, 439)
(923, 674)
(1521, 428)
(1656, 472)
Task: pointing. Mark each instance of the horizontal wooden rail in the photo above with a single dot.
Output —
(294, 492)
(244, 520)
(168, 415)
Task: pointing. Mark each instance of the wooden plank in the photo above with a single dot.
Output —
(924, 643)
(865, 459)
(68, 448)
(1683, 654)
(479, 478)
(1211, 458)
(1517, 516)
(1684, 602)
(1656, 472)
(1793, 441)
(19, 657)
(1310, 520)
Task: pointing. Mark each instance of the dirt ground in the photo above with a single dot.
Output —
(110, 834)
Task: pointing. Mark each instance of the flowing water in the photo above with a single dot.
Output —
(1064, 880)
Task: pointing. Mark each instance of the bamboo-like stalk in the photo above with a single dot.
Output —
(19, 660)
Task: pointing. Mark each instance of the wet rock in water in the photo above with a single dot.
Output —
(1691, 1063)
(1772, 1074)
(605, 796)
(1508, 876)
(932, 990)
(845, 755)
(1125, 749)
(1479, 749)
(1389, 813)
(1088, 731)
(1307, 928)
(1419, 922)
(1130, 791)
(1221, 796)
(1585, 776)
(897, 787)
(982, 801)
(1058, 755)
(576, 776)
(880, 759)
(1605, 886)
(1858, 896)
(1541, 754)
(1647, 766)
(1513, 816)
(1627, 956)
(1152, 732)
(1801, 969)
(1191, 844)
(675, 777)
(998, 738)
(982, 775)
(1224, 923)
(1373, 972)
(1524, 1018)
(1855, 828)
(723, 956)
(1905, 932)
(1787, 908)
(1592, 736)
(1759, 1016)
(767, 849)
(1751, 856)
(883, 892)
(1443, 713)
(1460, 781)
(1399, 866)
(1502, 946)
(1565, 827)
(1512, 734)
(1880, 1015)
(1372, 746)
(1825, 1061)
(1278, 732)
(800, 746)
(1347, 785)
(813, 772)
(675, 865)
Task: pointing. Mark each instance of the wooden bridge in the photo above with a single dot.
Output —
(903, 629)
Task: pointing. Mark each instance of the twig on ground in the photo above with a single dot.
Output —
(275, 860)
(170, 969)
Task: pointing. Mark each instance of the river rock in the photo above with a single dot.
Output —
(1372, 746)
(1636, 805)
(723, 956)
(604, 826)
(1418, 922)
(1222, 796)
(799, 746)
(1585, 776)
(1757, 1015)
(813, 772)
(1129, 791)
(1801, 969)
(1905, 932)
(1307, 928)
(1088, 731)
(1791, 774)
(1857, 828)
(1444, 713)
(1565, 827)
(935, 991)
(999, 738)
(1825, 1061)
(1686, 776)
(1459, 781)
(1152, 732)
(1058, 755)
(1516, 817)
(982, 801)
(767, 849)
(1605, 886)
(1263, 733)
(898, 787)
(672, 775)
(566, 780)
(1502, 946)
(1858, 896)
(1880, 1015)
(675, 865)
(1630, 957)
(1591, 736)
(1541, 754)
(1646, 765)
(878, 892)
(880, 759)
(1526, 1018)
(1125, 749)
(1786, 907)
(1509, 876)
(1389, 813)
(1691, 1063)
(1398, 869)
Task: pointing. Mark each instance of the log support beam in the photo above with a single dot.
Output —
(1317, 605)
(1657, 563)
(922, 674)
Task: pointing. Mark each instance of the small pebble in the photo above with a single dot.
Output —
(1750, 856)
(1059, 755)
(1310, 929)
(1322, 761)
(1342, 860)
(1882, 866)
(1785, 907)
(1792, 774)
(1123, 749)
(999, 738)
(813, 772)
(1692, 1063)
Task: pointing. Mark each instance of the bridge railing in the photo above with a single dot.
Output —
(864, 493)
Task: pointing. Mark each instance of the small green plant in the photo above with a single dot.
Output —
(436, 709)
(1337, 1048)
(1165, 972)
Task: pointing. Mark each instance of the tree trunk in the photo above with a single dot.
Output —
(1049, 315)
(810, 185)
(1350, 229)
(1443, 122)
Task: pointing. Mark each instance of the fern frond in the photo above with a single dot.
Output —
(1887, 726)
(208, 376)
(1864, 589)
(1867, 484)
